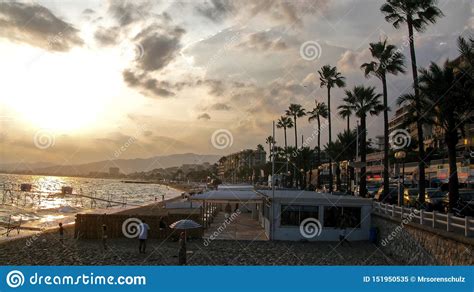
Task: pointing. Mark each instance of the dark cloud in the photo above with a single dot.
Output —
(216, 10)
(282, 11)
(149, 86)
(107, 36)
(38, 26)
(88, 11)
(160, 46)
(220, 107)
(204, 116)
(126, 12)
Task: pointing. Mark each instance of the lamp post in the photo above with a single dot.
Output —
(400, 155)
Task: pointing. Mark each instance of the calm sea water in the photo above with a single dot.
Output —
(45, 205)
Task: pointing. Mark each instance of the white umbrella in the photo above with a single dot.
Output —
(185, 224)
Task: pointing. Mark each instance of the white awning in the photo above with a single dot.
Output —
(223, 196)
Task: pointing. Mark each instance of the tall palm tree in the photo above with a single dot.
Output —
(451, 103)
(345, 112)
(417, 14)
(285, 122)
(318, 112)
(387, 60)
(364, 101)
(348, 140)
(330, 78)
(270, 141)
(296, 111)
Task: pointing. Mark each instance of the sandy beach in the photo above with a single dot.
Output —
(46, 249)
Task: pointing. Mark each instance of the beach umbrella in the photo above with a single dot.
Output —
(185, 224)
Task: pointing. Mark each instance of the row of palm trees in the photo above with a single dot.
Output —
(441, 95)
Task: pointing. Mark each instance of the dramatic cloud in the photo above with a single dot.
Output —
(288, 12)
(127, 12)
(160, 46)
(107, 36)
(147, 85)
(204, 116)
(220, 107)
(38, 26)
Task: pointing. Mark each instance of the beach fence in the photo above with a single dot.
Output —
(90, 226)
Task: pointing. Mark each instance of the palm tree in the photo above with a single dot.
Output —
(387, 60)
(270, 141)
(417, 14)
(364, 101)
(330, 77)
(345, 112)
(285, 122)
(318, 112)
(295, 111)
(348, 140)
(451, 103)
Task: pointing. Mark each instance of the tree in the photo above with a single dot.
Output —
(417, 14)
(345, 112)
(364, 101)
(451, 104)
(318, 112)
(330, 78)
(285, 122)
(387, 60)
(270, 141)
(295, 111)
(348, 140)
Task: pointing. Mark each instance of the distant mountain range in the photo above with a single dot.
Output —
(126, 165)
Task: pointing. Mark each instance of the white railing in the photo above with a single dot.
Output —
(436, 220)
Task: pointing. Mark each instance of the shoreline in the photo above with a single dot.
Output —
(69, 227)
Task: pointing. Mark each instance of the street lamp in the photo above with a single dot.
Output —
(400, 155)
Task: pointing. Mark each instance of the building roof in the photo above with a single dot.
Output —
(228, 195)
(298, 196)
(235, 187)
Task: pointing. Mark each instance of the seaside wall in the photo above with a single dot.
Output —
(89, 226)
(414, 244)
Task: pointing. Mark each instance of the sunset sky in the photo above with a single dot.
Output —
(163, 76)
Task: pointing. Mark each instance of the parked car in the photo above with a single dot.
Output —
(371, 190)
(465, 204)
(410, 196)
(434, 199)
(391, 197)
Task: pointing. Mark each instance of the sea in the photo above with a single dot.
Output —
(45, 205)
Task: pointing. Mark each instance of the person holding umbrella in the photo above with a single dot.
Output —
(182, 249)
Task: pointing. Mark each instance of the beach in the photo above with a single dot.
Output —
(46, 249)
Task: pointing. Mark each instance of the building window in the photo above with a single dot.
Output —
(294, 215)
(336, 217)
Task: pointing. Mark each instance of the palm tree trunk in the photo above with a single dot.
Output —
(286, 157)
(386, 178)
(419, 125)
(363, 150)
(451, 141)
(330, 137)
(319, 153)
(297, 157)
(348, 124)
